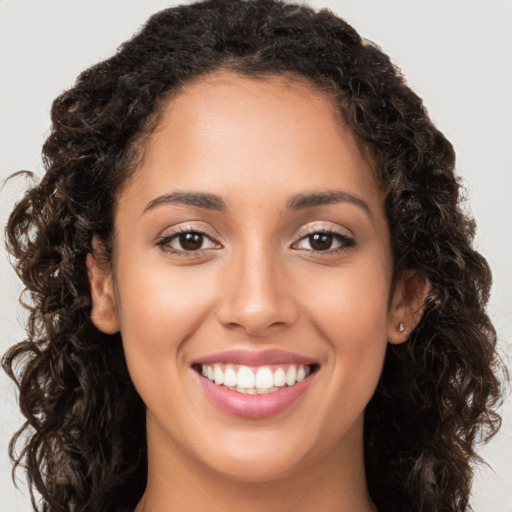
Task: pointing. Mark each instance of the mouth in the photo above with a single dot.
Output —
(255, 380)
(254, 385)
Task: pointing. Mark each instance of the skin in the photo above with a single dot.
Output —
(256, 283)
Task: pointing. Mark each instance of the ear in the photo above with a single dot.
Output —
(407, 304)
(104, 313)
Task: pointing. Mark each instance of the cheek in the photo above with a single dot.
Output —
(349, 310)
(349, 303)
(159, 310)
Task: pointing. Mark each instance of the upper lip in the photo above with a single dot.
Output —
(256, 358)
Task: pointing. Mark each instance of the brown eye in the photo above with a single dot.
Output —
(320, 241)
(187, 242)
(191, 241)
(325, 241)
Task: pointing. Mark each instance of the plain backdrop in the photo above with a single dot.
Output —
(456, 54)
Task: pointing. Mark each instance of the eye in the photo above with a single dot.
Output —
(187, 241)
(323, 241)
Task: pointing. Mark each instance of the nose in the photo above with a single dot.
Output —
(256, 295)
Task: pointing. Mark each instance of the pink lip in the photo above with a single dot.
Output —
(254, 358)
(254, 406)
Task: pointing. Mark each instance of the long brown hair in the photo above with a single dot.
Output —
(83, 443)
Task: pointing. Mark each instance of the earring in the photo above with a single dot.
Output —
(401, 327)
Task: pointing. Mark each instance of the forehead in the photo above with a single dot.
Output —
(234, 86)
(226, 130)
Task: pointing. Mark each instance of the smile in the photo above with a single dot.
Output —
(255, 380)
(253, 384)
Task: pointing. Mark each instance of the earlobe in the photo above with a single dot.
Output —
(104, 313)
(407, 304)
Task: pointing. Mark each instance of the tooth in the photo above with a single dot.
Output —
(245, 377)
(291, 375)
(229, 377)
(279, 377)
(248, 382)
(217, 374)
(264, 377)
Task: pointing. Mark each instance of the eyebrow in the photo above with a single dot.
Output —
(200, 199)
(296, 202)
(301, 201)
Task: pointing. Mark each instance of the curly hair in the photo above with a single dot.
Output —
(83, 442)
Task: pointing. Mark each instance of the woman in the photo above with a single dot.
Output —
(253, 285)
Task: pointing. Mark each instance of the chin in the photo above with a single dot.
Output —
(267, 455)
(258, 469)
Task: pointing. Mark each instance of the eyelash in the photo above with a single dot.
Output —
(165, 242)
(345, 241)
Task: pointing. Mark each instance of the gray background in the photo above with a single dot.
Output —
(456, 54)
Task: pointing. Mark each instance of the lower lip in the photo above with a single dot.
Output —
(254, 406)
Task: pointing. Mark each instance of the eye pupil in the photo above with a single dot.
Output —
(320, 241)
(191, 241)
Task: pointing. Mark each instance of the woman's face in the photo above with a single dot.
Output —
(251, 246)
